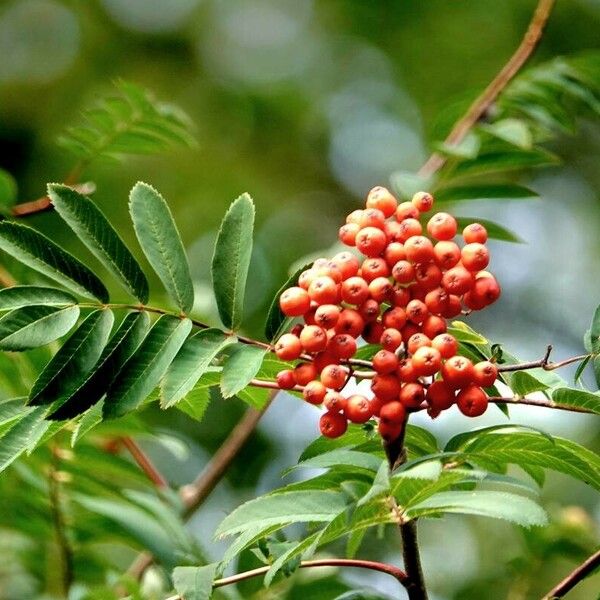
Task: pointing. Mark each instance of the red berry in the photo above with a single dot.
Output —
(386, 387)
(333, 424)
(371, 241)
(393, 412)
(419, 249)
(354, 290)
(403, 272)
(423, 201)
(427, 361)
(437, 301)
(394, 318)
(348, 232)
(294, 302)
(390, 431)
(412, 395)
(458, 372)
(445, 344)
(406, 371)
(372, 268)
(372, 217)
(416, 311)
(350, 322)
(416, 341)
(390, 339)
(288, 347)
(475, 257)
(305, 372)
(347, 263)
(442, 226)
(407, 210)
(327, 315)
(334, 377)
(485, 373)
(355, 216)
(369, 310)
(434, 326)
(334, 401)
(472, 401)
(314, 392)
(286, 379)
(385, 362)
(439, 396)
(457, 281)
(428, 276)
(447, 254)
(394, 253)
(380, 289)
(358, 409)
(313, 339)
(343, 346)
(381, 199)
(409, 228)
(323, 290)
(475, 233)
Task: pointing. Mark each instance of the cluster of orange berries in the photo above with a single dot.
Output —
(398, 295)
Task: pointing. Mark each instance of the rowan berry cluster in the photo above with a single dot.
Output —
(399, 295)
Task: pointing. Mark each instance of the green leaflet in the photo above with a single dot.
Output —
(276, 321)
(240, 368)
(287, 507)
(131, 122)
(352, 458)
(195, 583)
(93, 229)
(161, 243)
(28, 295)
(71, 364)
(117, 352)
(34, 326)
(144, 370)
(18, 439)
(498, 505)
(192, 361)
(231, 260)
(42, 254)
(554, 453)
(576, 398)
(509, 160)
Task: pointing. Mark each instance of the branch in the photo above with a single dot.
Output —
(395, 572)
(575, 577)
(543, 363)
(144, 462)
(483, 102)
(43, 203)
(544, 403)
(194, 494)
(60, 526)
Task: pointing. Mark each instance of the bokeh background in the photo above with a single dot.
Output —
(306, 105)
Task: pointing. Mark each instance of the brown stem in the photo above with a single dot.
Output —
(415, 582)
(543, 363)
(43, 203)
(194, 494)
(544, 403)
(144, 462)
(575, 577)
(60, 526)
(395, 572)
(483, 102)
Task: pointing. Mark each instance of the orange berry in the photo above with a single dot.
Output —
(313, 339)
(412, 395)
(288, 347)
(334, 401)
(358, 409)
(458, 372)
(427, 361)
(385, 362)
(485, 373)
(314, 392)
(294, 302)
(440, 396)
(305, 372)
(382, 199)
(475, 233)
(286, 379)
(423, 201)
(475, 257)
(386, 387)
(472, 401)
(333, 424)
(445, 344)
(371, 241)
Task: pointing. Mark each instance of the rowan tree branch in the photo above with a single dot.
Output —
(575, 577)
(543, 403)
(144, 462)
(483, 102)
(395, 572)
(195, 493)
(544, 363)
